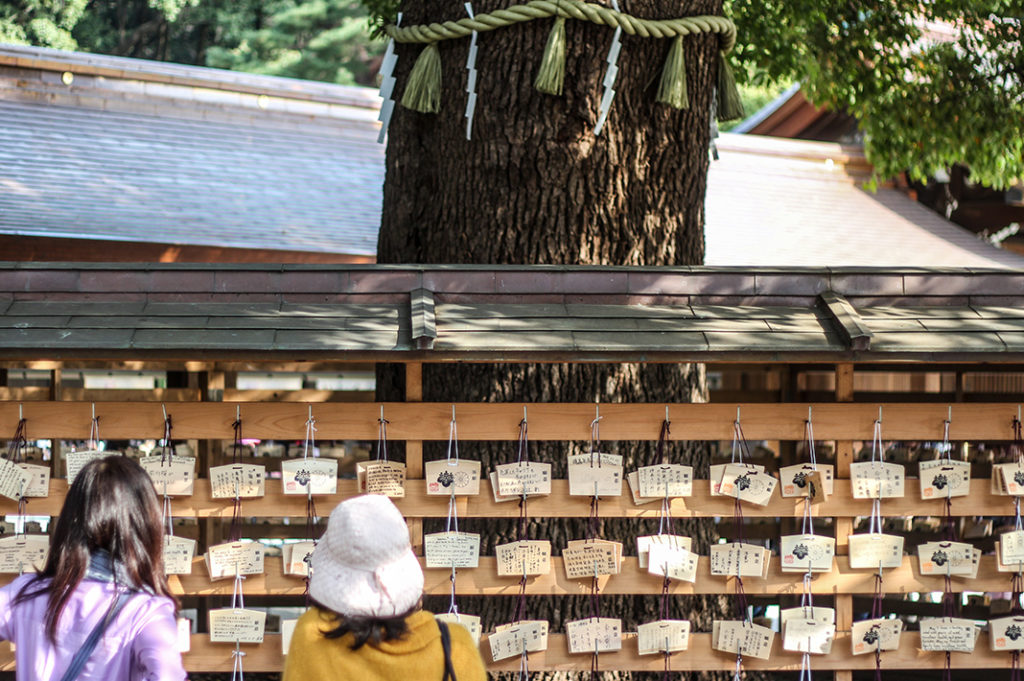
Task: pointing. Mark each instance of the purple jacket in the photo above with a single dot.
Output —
(139, 645)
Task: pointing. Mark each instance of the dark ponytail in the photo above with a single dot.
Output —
(372, 630)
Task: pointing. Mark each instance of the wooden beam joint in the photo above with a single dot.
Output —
(847, 321)
(424, 331)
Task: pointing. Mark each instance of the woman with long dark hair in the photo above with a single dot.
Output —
(101, 607)
(366, 623)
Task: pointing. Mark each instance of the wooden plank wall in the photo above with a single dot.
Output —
(416, 421)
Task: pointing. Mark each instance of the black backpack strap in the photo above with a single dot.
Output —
(446, 645)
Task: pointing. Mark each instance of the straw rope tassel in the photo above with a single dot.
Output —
(423, 91)
(730, 107)
(672, 90)
(551, 75)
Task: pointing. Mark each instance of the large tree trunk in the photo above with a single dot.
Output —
(535, 186)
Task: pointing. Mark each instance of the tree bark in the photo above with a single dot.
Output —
(536, 186)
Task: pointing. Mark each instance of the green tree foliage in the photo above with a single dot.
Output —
(317, 40)
(46, 23)
(145, 29)
(932, 83)
(326, 40)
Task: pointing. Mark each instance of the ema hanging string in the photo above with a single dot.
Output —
(876, 526)
(665, 522)
(452, 522)
(595, 451)
(166, 456)
(13, 455)
(663, 613)
(595, 614)
(592, 532)
(805, 668)
(94, 431)
(308, 446)
(423, 90)
(809, 435)
(237, 446)
(235, 529)
(237, 601)
(947, 455)
(166, 451)
(807, 528)
(807, 603)
(1018, 439)
(659, 451)
(876, 613)
(1017, 579)
(948, 597)
(522, 457)
(13, 480)
(16, 448)
(382, 436)
(875, 520)
(453, 443)
(739, 447)
(1016, 587)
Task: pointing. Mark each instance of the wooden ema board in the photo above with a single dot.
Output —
(415, 422)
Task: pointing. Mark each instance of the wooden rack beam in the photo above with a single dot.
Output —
(632, 580)
(700, 657)
(495, 422)
(484, 581)
(216, 657)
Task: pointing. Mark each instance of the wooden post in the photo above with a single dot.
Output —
(211, 389)
(211, 386)
(56, 390)
(788, 378)
(414, 450)
(844, 526)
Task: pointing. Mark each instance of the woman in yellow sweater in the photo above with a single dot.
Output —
(366, 623)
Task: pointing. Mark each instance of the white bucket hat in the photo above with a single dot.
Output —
(364, 565)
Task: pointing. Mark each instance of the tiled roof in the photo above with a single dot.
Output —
(782, 202)
(148, 151)
(485, 313)
(791, 115)
(171, 157)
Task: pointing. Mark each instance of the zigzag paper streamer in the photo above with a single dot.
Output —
(712, 145)
(609, 76)
(387, 86)
(471, 78)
